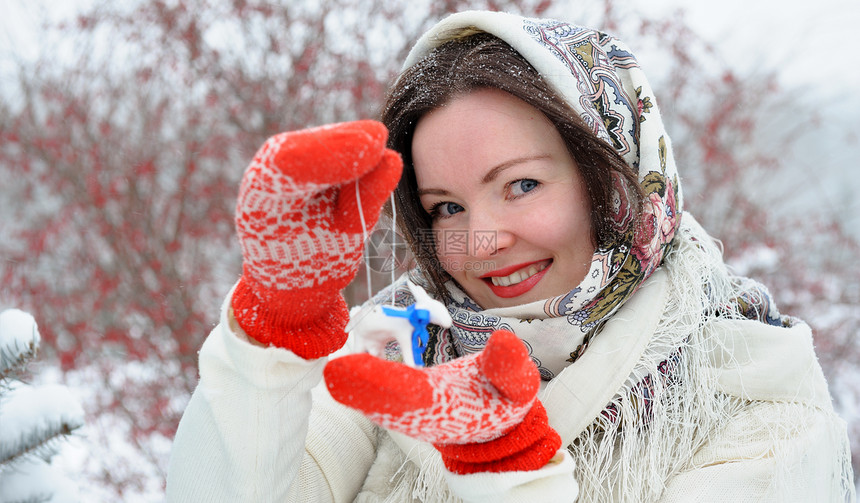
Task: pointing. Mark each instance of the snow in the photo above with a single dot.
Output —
(25, 409)
(35, 480)
(105, 447)
(19, 335)
(762, 258)
(34, 420)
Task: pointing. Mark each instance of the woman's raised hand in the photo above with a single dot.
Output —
(480, 411)
(304, 204)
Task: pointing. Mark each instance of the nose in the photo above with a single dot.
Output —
(489, 234)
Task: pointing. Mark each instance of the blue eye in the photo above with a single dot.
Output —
(520, 187)
(445, 209)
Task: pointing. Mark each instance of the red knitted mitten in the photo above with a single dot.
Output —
(480, 411)
(301, 232)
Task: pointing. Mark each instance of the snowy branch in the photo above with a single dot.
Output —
(19, 340)
(34, 419)
(36, 482)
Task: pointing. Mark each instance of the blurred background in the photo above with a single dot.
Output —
(125, 128)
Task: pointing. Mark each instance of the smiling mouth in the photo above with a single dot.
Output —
(520, 275)
(516, 280)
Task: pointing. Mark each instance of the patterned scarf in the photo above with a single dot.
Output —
(602, 82)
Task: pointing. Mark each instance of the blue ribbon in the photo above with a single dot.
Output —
(418, 318)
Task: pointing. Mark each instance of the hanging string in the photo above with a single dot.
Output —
(364, 242)
(393, 246)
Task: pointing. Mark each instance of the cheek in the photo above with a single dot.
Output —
(451, 250)
(574, 223)
(566, 234)
(453, 263)
(547, 228)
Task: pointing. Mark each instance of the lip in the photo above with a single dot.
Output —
(520, 288)
(507, 271)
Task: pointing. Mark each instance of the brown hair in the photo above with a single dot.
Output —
(473, 60)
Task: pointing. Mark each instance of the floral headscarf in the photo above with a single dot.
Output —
(601, 81)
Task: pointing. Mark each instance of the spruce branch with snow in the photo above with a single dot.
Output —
(34, 420)
(19, 340)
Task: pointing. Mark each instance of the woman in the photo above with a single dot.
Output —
(540, 196)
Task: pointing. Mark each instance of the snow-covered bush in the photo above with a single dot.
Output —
(33, 420)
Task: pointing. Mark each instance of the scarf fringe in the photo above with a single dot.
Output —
(628, 457)
(656, 430)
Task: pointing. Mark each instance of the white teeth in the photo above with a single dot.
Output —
(518, 276)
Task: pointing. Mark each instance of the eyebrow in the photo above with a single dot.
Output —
(490, 176)
(494, 173)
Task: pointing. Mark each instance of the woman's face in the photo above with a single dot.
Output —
(510, 210)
